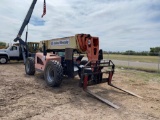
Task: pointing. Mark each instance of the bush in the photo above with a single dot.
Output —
(2, 44)
(154, 51)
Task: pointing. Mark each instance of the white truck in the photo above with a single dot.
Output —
(14, 52)
(11, 53)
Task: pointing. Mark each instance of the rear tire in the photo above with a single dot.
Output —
(30, 66)
(3, 59)
(53, 73)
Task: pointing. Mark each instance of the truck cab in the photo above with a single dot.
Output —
(11, 53)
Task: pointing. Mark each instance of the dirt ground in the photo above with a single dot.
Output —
(28, 97)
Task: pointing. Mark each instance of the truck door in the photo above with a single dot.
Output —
(14, 51)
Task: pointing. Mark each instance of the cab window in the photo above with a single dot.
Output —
(13, 48)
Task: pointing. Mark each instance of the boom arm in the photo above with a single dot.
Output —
(18, 38)
(83, 43)
(25, 22)
(90, 45)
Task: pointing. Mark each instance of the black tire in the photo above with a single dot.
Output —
(3, 59)
(83, 62)
(30, 66)
(53, 73)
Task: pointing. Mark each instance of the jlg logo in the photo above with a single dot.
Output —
(60, 42)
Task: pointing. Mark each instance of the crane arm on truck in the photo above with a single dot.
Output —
(26, 20)
(23, 44)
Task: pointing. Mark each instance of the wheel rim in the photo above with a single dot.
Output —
(3, 60)
(50, 74)
(27, 66)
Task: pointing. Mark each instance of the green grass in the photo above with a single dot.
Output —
(138, 68)
(141, 75)
(151, 59)
(148, 59)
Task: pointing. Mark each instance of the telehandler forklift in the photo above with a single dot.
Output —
(55, 65)
(57, 59)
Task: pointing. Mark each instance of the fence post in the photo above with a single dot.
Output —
(108, 55)
(159, 62)
(128, 58)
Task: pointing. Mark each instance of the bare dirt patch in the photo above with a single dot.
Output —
(28, 97)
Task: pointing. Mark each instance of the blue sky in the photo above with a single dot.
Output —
(120, 24)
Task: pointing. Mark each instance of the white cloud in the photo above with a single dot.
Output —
(120, 24)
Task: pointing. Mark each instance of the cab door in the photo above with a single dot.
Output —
(14, 51)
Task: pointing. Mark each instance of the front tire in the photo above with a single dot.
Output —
(3, 59)
(53, 73)
(30, 66)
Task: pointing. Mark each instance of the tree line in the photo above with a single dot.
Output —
(155, 51)
(2, 44)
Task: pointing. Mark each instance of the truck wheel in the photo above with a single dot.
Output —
(53, 73)
(30, 66)
(3, 59)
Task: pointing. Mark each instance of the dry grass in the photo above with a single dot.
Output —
(151, 59)
(139, 68)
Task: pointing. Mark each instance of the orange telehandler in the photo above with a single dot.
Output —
(57, 59)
